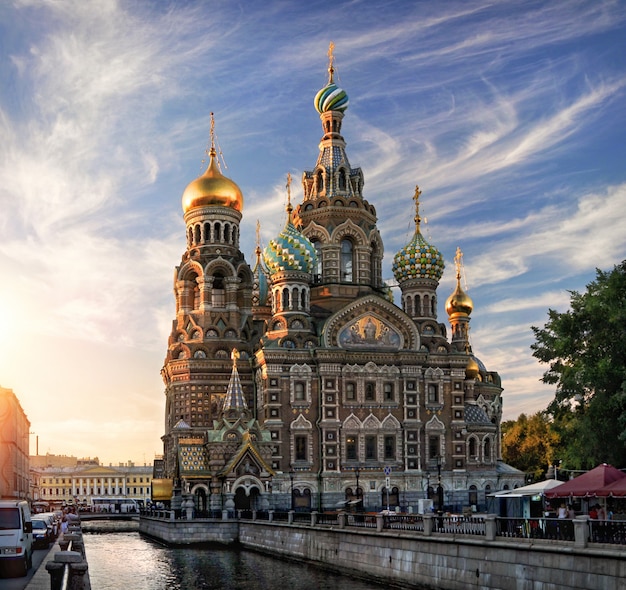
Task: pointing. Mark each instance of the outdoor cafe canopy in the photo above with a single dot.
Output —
(617, 489)
(588, 484)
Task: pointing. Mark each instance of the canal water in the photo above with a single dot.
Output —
(126, 560)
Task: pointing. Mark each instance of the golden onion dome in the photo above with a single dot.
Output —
(472, 370)
(212, 189)
(459, 302)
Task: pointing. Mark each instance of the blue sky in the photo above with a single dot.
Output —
(510, 115)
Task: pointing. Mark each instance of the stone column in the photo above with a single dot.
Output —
(341, 520)
(77, 576)
(428, 524)
(56, 571)
(380, 523)
(581, 530)
(490, 527)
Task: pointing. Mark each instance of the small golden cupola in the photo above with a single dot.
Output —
(459, 302)
(212, 189)
(459, 306)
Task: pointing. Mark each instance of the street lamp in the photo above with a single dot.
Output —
(357, 473)
(291, 474)
(439, 487)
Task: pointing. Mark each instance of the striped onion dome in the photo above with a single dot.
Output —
(331, 98)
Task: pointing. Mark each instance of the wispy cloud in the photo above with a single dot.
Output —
(508, 116)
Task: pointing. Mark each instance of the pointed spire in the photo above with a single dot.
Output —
(258, 241)
(235, 399)
(289, 207)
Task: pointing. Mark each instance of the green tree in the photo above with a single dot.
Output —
(530, 443)
(585, 348)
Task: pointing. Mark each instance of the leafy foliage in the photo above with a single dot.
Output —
(585, 349)
(530, 443)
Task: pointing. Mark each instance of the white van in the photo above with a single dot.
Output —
(16, 535)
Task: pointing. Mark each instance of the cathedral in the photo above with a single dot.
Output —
(297, 382)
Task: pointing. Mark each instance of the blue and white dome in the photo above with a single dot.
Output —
(290, 251)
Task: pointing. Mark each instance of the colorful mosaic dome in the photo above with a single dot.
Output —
(290, 250)
(331, 98)
(418, 260)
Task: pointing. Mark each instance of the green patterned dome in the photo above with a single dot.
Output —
(290, 250)
(418, 260)
(331, 98)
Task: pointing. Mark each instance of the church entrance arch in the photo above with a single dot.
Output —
(200, 502)
(247, 492)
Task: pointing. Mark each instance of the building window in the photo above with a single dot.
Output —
(350, 391)
(433, 394)
(346, 261)
(317, 275)
(298, 389)
(388, 391)
(390, 447)
(433, 446)
(472, 447)
(351, 448)
(301, 444)
(370, 448)
(370, 391)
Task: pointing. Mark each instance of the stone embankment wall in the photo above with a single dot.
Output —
(190, 532)
(410, 560)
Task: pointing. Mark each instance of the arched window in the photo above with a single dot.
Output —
(473, 495)
(320, 182)
(317, 271)
(218, 292)
(487, 450)
(472, 447)
(342, 180)
(285, 298)
(298, 391)
(346, 261)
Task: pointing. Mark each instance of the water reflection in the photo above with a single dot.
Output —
(129, 561)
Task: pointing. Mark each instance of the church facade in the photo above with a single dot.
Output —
(297, 382)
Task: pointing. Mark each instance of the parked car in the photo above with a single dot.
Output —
(16, 535)
(42, 533)
(51, 520)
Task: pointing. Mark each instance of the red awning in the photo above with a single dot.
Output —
(588, 484)
(617, 489)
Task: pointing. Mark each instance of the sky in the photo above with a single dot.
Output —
(509, 114)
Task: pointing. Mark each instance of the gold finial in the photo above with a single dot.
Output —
(331, 60)
(416, 198)
(458, 259)
(289, 207)
(234, 355)
(258, 238)
(212, 152)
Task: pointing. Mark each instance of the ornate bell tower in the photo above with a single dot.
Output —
(213, 290)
